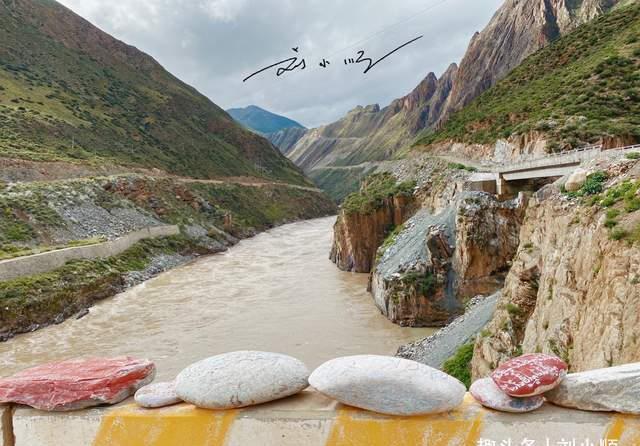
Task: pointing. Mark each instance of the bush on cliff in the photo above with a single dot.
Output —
(374, 190)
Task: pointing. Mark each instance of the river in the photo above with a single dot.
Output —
(277, 291)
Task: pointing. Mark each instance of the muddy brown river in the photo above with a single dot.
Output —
(277, 292)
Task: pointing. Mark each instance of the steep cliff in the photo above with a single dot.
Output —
(572, 290)
(367, 218)
(518, 29)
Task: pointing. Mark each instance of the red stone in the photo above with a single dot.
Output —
(530, 375)
(77, 383)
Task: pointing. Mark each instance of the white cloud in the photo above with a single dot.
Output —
(223, 10)
(214, 44)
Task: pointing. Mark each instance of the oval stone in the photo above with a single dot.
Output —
(241, 379)
(157, 395)
(388, 385)
(530, 375)
(487, 393)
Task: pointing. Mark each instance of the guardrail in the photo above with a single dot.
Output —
(557, 157)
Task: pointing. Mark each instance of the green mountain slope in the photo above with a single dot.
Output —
(69, 91)
(582, 89)
(262, 121)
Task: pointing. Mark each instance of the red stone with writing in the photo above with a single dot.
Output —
(77, 383)
(530, 375)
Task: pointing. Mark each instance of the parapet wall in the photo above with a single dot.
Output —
(47, 261)
(309, 419)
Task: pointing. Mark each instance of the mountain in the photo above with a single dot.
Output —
(286, 139)
(372, 133)
(518, 29)
(70, 92)
(582, 89)
(262, 121)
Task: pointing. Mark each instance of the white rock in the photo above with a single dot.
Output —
(388, 385)
(240, 379)
(487, 393)
(576, 180)
(157, 395)
(612, 389)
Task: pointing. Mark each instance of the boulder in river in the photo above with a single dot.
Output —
(530, 375)
(388, 385)
(77, 383)
(610, 389)
(157, 395)
(487, 393)
(240, 379)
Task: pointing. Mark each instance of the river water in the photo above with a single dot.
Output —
(276, 292)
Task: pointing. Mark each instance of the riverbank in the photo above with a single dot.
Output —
(277, 291)
(211, 217)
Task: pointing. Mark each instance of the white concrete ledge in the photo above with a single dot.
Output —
(309, 419)
(47, 261)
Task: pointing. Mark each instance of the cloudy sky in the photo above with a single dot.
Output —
(214, 44)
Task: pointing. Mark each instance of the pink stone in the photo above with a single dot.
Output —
(487, 393)
(77, 383)
(530, 375)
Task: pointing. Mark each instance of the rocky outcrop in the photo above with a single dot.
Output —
(368, 217)
(286, 139)
(572, 290)
(357, 235)
(487, 239)
(442, 258)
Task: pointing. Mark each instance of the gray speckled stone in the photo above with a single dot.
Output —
(240, 379)
(388, 385)
(613, 389)
(157, 395)
(487, 393)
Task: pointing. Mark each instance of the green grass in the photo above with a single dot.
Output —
(459, 365)
(374, 190)
(96, 102)
(582, 87)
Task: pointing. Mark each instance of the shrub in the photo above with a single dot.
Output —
(618, 234)
(459, 365)
(633, 155)
(594, 184)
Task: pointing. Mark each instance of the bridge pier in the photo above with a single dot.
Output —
(502, 188)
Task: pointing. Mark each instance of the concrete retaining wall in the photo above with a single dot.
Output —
(309, 419)
(47, 261)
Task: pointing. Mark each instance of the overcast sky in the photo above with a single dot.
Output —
(214, 44)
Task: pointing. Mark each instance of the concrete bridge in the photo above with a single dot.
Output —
(495, 179)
